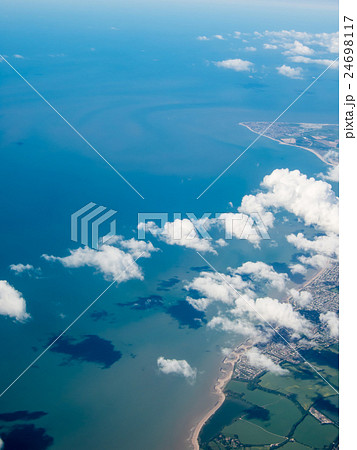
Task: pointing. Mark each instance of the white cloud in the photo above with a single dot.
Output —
(297, 48)
(328, 41)
(321, 62)
(332, 174)
(12, 303)
(331, 320)
(20, 268)
(239, 65)
(178, 367)
(221, 242)
(202, 38)
(270, 46)
(254, 318)
(179, 232)
(250, 49)
(325, 245)
(240, 226)
(238, 326)
(138, 248)
(219, 36)
(297, 268)
(18, 57)
(237, 34)
(278, 314)
(110, 261)
(213, 288)
(261, 361)
(311, 200)
(226, 351)
(260, 271)
(290, 72)
(302, 298)
(316, 261)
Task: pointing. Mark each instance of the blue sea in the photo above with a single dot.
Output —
(135, 81)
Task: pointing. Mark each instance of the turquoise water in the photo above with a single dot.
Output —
(147, 98)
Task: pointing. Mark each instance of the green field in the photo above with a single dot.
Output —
(250, 433)
(312, 433)
(272, 409)
(302, 382)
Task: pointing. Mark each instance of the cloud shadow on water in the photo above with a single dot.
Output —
(26, 437)
(21, 415)
(186, 314)
(165, 285)
(91, 348)
(144, 303)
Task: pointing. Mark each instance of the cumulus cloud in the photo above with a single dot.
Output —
(326, 41)
(290, 72)
(254, 319)
(260, 271)
(261, 361)
(278, 314)
(297, 268)
(239, 295)
(326, 244)
(321, 62)
(241, 226)
(250, 49)
(219, 37)
(238, 326)
(202, 38)
(332, 174)
(297, 48)
(178, 367)
(239, 65)
(316, 261)
(311, 200)
(331, 320)
(137, 248)
(270, 46)
(180, 232)
(112, 262)
(20, 268)
(213, 288)
(301, 298)
(12, 303)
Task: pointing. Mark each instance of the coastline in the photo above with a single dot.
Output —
(226, 373)
(291, 145)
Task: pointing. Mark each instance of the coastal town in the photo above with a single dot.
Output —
(284, 350)
(324, 290)
(320, 139)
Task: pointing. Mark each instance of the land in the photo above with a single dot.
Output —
(319, 139)
(257, 409)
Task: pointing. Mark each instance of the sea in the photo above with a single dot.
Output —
(135, 81)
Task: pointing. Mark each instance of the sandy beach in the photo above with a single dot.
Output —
(292, 145)
(225, 375)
